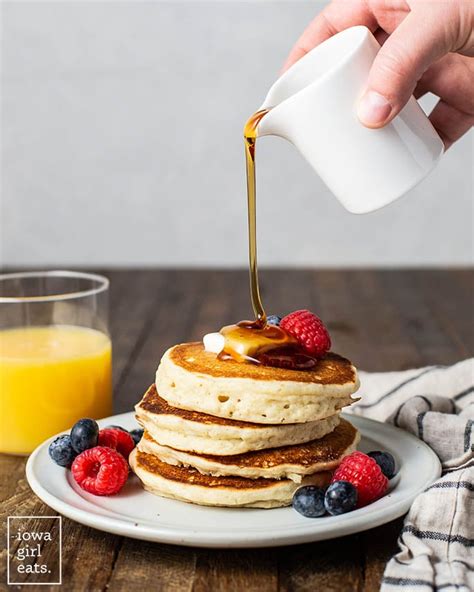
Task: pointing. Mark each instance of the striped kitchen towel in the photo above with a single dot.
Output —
(437, 405)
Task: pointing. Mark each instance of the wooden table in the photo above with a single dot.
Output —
(382, 320)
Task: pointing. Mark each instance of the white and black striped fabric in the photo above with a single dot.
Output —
(437, 540)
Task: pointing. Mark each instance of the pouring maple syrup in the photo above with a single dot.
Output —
(257, 341)
(250, 139)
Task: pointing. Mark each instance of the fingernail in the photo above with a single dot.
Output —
(373, 109)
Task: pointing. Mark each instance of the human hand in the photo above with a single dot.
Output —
(427, 46)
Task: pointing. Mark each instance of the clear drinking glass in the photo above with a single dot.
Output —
(55, 355)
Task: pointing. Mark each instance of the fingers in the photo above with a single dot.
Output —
(450, 123)
(416, 43)
(452, 79)
(336, 17)
(412, 60)
(381, 36)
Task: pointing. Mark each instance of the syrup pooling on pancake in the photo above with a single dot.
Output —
(259, 342)
(247, 340)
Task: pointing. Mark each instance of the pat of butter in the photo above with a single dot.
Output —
(214, 342)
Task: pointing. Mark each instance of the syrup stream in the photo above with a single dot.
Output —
(250, 138)
(248, 341)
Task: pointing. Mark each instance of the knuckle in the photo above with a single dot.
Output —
(396, 64)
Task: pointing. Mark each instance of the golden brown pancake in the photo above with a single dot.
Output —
(191, 378)
(153, 403)
(328, 450)
(275, 463)
(190, 485)
(189, 475)
(202, 433)
(330, 370)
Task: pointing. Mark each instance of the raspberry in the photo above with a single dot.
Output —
(309, 330)
(117, 439)
(366, 476)
(100, 470)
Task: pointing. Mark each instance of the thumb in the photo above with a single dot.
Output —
(409, 51)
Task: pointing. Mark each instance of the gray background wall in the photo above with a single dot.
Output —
(121, 145)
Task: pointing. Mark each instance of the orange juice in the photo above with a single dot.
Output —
(49, 378)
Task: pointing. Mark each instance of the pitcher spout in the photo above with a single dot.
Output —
(271, 124)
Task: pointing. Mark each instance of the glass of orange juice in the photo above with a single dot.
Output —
(55, 355)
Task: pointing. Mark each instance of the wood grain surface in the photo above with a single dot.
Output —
(381, 320)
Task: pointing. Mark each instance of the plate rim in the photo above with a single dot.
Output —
(210, 538)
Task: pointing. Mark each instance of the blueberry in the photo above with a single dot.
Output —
(61, 451)
(341, 497)
(385, 461)
(274, 320)
(136, 435)
(84, 434)
(309, 501)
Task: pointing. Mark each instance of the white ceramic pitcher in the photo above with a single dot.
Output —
(314, 106)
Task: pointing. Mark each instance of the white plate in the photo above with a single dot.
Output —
(138, 514)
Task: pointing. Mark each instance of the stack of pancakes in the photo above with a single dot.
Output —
(223, 433)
